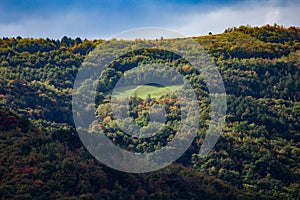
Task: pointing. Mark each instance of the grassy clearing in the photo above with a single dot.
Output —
(143, 91)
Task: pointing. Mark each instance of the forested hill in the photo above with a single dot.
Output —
(257, 155)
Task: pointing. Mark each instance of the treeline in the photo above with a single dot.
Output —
(11, 46)
(268, 33)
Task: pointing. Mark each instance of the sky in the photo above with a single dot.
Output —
(94, 19)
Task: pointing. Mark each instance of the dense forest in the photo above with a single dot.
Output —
(256, 157)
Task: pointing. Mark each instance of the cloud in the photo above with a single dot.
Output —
(102, 19)
(245, 13)
(87, 20)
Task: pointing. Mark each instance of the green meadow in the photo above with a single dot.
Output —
(143, 91)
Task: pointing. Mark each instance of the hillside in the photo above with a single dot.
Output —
(257, 155)
(39, 164)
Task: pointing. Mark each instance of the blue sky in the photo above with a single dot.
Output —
(103, 18)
